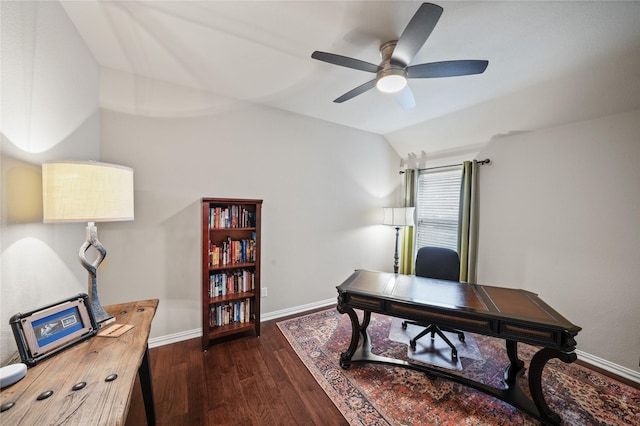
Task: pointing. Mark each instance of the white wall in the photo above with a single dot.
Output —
(560, 216)
(323, 187)
(49, 91)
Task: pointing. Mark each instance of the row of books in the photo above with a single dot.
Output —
(231, 312)
(233, 251)
(232, 282)
(231, 217)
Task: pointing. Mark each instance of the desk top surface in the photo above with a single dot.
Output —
(450, 295)
(91, 361)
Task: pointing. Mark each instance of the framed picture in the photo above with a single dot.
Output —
(50, 329)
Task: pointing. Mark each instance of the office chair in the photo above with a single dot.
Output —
(443, 264)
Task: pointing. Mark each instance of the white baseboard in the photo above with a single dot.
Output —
(298, 309)
(154, 342)
(616, 369)
(197, 332)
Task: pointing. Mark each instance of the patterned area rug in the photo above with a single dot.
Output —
(369, 394)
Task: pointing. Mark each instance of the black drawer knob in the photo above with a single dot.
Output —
(44, 395)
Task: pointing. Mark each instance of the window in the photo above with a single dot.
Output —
(437, 207)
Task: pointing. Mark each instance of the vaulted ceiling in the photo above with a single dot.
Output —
(260, 52)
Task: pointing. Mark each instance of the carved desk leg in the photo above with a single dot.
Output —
(345, 357)
(536, 365)
(516, 365)
(366, 341)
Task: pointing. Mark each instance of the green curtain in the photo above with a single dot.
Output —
(406, 265)
(468, 222)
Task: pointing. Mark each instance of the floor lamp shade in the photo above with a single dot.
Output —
(398, 216)
(88, 192)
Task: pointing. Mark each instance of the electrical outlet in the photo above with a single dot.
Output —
(264, 292)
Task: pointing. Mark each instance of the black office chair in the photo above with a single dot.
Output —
(443, 264)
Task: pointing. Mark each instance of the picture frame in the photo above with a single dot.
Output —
(45, 331)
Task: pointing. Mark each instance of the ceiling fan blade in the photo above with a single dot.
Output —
(416, 33)
(447, 69)
(405, 98)
(357, 91)
(345, 61)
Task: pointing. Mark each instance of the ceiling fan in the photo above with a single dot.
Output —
(394, 70)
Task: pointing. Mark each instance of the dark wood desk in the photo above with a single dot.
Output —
(99, 402)
(511, 314)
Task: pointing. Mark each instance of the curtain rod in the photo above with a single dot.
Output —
(481, 162)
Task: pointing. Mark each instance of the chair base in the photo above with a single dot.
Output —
(434, 329)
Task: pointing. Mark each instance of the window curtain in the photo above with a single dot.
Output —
(406, 264)
(468, 226)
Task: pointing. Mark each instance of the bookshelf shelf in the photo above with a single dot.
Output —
(230, 329)
(230, 267)
(230, 297)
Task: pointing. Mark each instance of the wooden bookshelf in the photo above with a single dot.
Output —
(230, 267)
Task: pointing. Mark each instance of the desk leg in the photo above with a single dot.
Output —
(516, 366)
(345, 357)
(144, 373)
(536, 365)
(514, 394)
(366, 341)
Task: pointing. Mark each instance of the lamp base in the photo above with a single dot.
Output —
(100, 315)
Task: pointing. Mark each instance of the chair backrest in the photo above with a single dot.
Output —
(439, 263)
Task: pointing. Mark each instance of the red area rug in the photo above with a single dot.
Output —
(369, 394)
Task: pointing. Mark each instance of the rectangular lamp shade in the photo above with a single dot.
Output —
(78, 191)
(398, 216)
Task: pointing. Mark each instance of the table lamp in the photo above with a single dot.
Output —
(77, 191)
(398, 217)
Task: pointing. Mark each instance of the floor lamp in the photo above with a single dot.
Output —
(397, 217)
(75, 191)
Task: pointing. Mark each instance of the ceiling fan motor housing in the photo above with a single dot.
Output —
(391, 77)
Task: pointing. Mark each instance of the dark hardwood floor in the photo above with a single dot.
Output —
(243, 381)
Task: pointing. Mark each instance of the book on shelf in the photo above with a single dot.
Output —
(233, 216)
(226, 283)
(232, 252)
(238, 311)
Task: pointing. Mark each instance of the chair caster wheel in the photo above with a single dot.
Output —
(404, 325)
(412, 345)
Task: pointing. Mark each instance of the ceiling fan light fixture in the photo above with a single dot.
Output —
(391, 80)
(397, 55)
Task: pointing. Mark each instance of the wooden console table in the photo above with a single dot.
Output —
(510, 314)
(87, 365)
